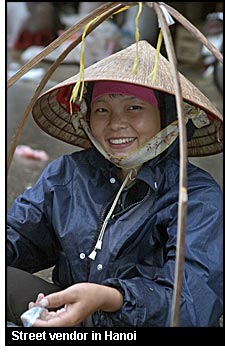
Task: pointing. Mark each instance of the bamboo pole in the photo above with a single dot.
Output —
(182, 204)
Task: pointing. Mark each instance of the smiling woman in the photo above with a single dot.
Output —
(120, 122)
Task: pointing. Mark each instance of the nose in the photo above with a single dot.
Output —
(118, 121)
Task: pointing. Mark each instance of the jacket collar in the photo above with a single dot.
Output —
(152, 172)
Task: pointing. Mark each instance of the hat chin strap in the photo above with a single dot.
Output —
(152, 148)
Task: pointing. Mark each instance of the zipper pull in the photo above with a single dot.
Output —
(92, 255)
(98, 245)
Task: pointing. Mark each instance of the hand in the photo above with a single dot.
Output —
(76, 303)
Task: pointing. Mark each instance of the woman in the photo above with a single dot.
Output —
(106, 216)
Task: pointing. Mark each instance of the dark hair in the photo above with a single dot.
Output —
(168, 111)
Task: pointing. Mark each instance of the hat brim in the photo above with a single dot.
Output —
(52, 117)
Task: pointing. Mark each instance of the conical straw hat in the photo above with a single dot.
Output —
(53, 118)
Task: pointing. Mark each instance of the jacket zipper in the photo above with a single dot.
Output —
(103, 215)
(132, 205)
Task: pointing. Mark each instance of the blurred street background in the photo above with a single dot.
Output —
(35, 26)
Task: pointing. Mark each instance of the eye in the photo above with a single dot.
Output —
(135, 107)
(100, 110)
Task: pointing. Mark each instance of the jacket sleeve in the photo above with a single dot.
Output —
(148, 299)
(30, 236)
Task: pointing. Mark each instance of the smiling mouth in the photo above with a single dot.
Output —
(121, 141)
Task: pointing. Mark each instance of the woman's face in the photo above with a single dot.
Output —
(122, 124)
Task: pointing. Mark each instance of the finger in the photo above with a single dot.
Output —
(60, 311)
(31, 305)
(45, 316)
(54, 300)
(59, 318)
(39, 297)
(56, 321)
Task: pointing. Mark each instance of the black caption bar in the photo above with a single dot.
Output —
(149, 336)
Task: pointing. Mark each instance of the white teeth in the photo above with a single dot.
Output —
(122, 140)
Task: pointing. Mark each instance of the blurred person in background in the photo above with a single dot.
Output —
(39, 26)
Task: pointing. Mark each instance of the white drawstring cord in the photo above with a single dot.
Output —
(98, 244)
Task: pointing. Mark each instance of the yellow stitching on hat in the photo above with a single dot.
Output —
(81, 78)
(152, 75)
(137, 35)
(123, 9)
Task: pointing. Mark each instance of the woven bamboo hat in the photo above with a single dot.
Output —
(52, 114)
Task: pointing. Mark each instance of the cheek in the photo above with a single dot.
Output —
(154, 124)
(95, 128)
(148, 128)
(92, 125)
(157, 125)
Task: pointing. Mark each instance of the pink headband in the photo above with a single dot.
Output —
(102, 88)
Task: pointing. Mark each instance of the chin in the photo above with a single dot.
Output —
(119, 154)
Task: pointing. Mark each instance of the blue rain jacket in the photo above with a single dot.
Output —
(57, 222)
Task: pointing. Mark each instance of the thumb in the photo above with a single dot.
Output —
(53, 300)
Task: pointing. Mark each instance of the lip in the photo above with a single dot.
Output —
(126, 142)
